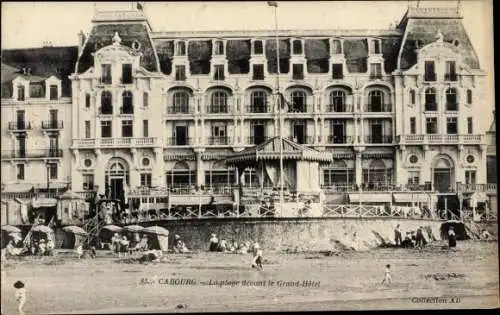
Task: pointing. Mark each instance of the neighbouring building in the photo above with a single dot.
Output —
(131, 107)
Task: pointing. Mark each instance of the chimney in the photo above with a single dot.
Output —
(81, 41)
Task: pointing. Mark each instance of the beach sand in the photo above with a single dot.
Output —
(349, 280)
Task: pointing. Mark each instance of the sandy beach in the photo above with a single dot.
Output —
(434, 278)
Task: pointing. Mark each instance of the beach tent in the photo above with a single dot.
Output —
(41, 231)
(157, 237)
(72, 208)
(73, 236)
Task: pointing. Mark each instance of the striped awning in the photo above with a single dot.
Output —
(56, 185)
(368, 198)
(17, 188)
(44, 203)
(409, 197)
(174, 156)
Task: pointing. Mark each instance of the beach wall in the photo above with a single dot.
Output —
(299, 234)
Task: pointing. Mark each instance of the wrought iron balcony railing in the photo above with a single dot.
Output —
(34, 153)
(256, 140)
(378, 139)
(19, 125)
(127, 110)
(218, 140)
(180, 109)
(106, 110)
(258, 109)
(217, 109)
(332, 139)
(340, 108)
(378, 108)
(179, 141)
(52, 124)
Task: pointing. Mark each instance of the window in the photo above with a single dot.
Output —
(20, 171)
(413, 159)
(413, 178)
(88, 181)
(451, 125)
(413, 125)
(106, 73)
(258, 72)
(375, 46)
(180, 49)
(126, 73)
(298, 72)
(470, 159)
(412, 97)
(146, 180)
(87, 129)
(127, 126)
(470, 129)
(180, 102)
(145, 162)
(299, 101)
(21, 141)
(219, 48)
(375, 101)
(258, 48)
(20, 93)
(469, 97)
(180, 73)
(470, 177)
(145, 99)
(219, 130)
(450, 71)
(53, 93)
(259, 102)
(430, 99)
(430, 74)
(337, 101)
(338, 132)
(87, 162)
(375, 71)
(431, 125)
(106, 103)
(53, 116)
(106, 129)
(52, 168)
(87, 100)
(219, 72)
(128, 103)
(451, 99)
(145, 128)
(297, 47)
(337, 71)
(219, 102)
(336, 47)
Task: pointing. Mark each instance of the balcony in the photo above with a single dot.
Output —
(114, 143)
(19, 126)
(340, 108)
(106, 110)
(430, 77)
(256, 140)
(375, 76)
(381, 139)
(127, 110)
(179, 141)
(52, 125)
(297, 109)
(126, 80)
(451, 106)
(441, 139)
(218, 140)
(217, 109)
(378, 108)
(470, 188)
(32, 154)
(332, 139)
(302, 140)
(258, 109)
(450, 77)
(179, 110)
(105, 80)
(430, 107)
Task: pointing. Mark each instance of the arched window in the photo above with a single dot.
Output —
(375, 101)
(430, 99)
(299, 101)
(336, 46)
(338, 175)
(376, 175)
(219, 47)
(451, 99)
(219, 102)
(337, 101)
(20, 93)
(106, 103)
(128, 103)
(180, 49)
(412, 97)
(469, 97)
(180, 102)
(259, 102)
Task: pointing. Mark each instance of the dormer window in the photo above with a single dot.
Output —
(53, 92)
(106, 73)
(297, 47)
(127, 73)
(219, 72)
(337, 71)
(298, 71)
(375, 71)
(375, 46)
(430, 72)
(180, 49)
(450, 74)
(258, 48)
(20, 93)
(336, 47)
(180, 73)
(219, 48)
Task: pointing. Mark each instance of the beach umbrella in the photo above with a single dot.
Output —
(43, 229)
(113, 228)
(10, 229)
(75, 230)
(158, 230)
(133, 228)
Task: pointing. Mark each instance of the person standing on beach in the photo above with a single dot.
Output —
(387, 276)
(257, 257)
(397, 236)
(452, 238)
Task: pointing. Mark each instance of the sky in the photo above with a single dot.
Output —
(29, 24)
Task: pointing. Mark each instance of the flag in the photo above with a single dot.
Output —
(284, 103)
(272, 4)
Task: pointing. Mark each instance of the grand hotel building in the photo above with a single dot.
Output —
(131, 107)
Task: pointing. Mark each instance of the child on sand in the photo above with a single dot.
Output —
(387, 276)
(257, 257)
(20, 296)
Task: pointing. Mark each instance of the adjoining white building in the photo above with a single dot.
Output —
(396, 107)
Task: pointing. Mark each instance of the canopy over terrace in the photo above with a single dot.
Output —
(300, 164)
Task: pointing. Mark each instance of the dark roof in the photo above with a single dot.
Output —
(425, 29)
(44, 62)
(102, 34)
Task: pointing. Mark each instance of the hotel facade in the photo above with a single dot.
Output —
(130, 107)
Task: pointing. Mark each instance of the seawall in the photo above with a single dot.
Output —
(298, 234)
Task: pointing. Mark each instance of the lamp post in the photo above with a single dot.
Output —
(48, 180)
